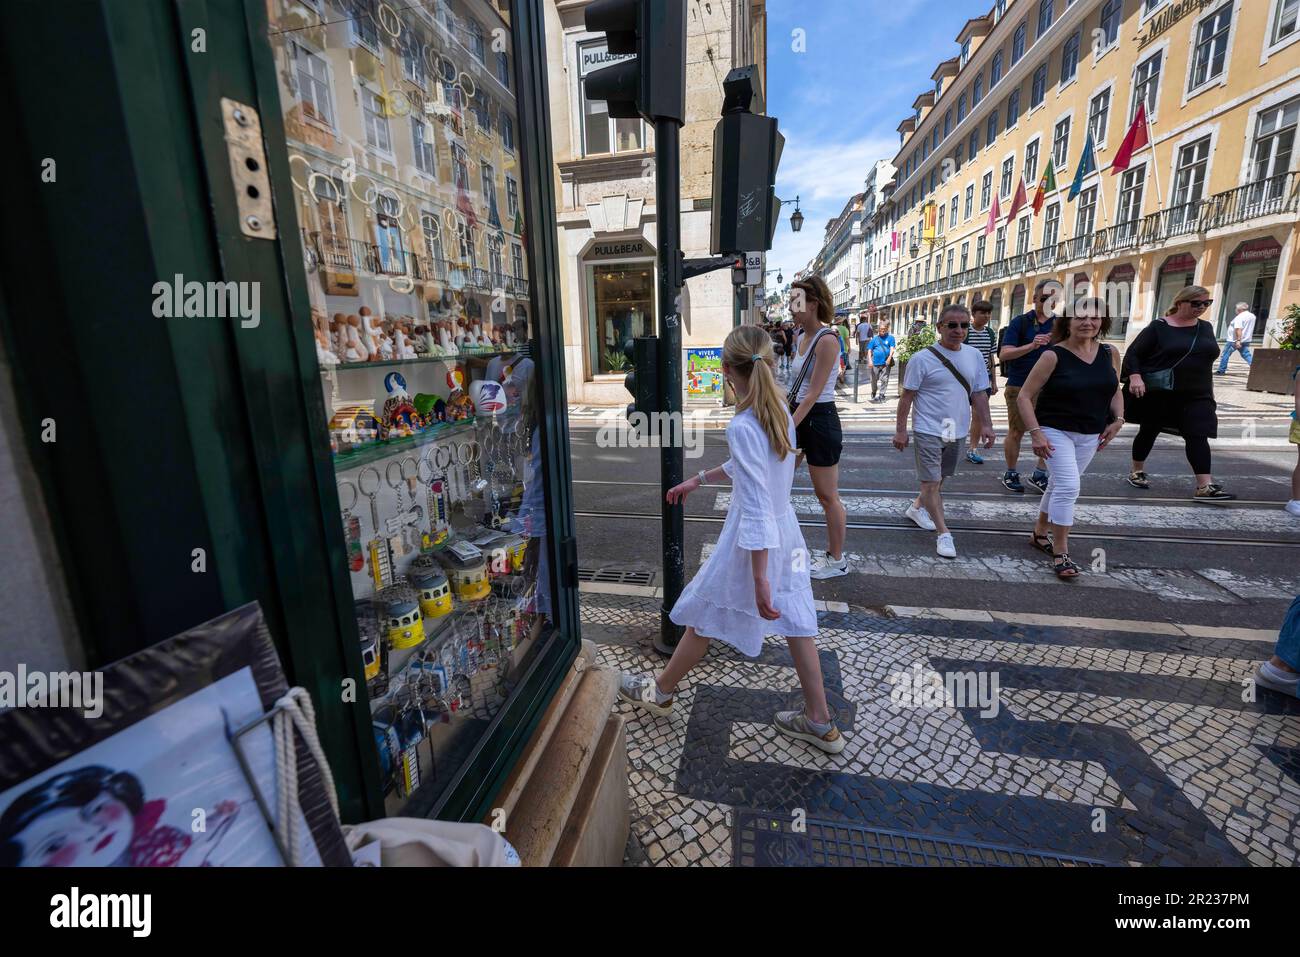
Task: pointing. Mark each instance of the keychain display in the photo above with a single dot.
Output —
(377, 549)
(403, 526)
(466, 569)
(434, 593)
(351, 528)
(403, 624)
(432, 471)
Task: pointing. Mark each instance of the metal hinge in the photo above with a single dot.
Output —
(248, 169)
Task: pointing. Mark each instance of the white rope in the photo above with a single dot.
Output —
(294, 710)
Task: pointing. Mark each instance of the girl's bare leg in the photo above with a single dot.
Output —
(686, 656)
(809, 668)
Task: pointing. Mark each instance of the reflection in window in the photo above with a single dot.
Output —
(622, 302)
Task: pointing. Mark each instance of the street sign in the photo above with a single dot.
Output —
(753, 269)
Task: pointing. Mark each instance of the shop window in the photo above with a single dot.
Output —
(621, 307)
(1252, 279)
(1118, 293)
(1176, 273)
(600, 132)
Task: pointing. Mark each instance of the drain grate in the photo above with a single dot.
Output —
(760, 839)
(611, 574)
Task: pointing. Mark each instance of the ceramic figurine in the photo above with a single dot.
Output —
(404, 627)
(371, 333)
(435, 593)
(324, 355)
(398, 417)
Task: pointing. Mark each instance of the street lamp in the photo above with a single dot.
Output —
(796, 218)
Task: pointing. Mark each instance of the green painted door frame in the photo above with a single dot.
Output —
(182, 434)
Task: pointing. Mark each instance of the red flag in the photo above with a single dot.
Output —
(1017, 202)
(994, 215)
(1135, 139)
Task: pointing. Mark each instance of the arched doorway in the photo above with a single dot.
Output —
(1118, 293)
(1252, 274)
(1176, 273)
(995, 298)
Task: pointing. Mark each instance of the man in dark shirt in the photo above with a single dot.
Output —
(1027, 337)
(980, 336)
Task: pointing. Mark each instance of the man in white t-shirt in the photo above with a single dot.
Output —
(1240, 331)
(942, 386)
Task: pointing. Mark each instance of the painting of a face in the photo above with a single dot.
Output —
(95, 835)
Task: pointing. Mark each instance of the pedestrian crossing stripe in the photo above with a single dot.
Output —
(1167, 584)
(1024, 510)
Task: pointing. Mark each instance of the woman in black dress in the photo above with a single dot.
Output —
(1184, 343)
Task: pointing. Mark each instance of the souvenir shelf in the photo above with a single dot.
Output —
(378, 451)
(386, 363)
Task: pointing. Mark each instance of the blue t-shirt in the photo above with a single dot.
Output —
(881, 347)
(1021, 332)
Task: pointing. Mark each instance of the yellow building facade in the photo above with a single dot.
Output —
(1212, 200)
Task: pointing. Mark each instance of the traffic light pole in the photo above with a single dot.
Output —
(673, 525)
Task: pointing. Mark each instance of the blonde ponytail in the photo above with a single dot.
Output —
(765, 396)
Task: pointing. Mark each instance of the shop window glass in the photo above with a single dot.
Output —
(622, 297)
(420, 317)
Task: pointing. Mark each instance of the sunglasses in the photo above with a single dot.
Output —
(958, 325)
(1199, 303)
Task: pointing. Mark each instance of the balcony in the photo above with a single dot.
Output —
(1276, 196)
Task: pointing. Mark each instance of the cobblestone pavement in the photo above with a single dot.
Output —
(1105, 744)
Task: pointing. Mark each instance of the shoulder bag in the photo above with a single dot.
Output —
(951, 368)
(810, 359)
(1162, 380)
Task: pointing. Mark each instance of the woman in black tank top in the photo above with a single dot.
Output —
(1072, 407)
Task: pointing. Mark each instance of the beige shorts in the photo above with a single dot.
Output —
(1014, 422)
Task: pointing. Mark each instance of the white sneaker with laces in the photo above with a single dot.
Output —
(944, 546)
(829, 569)
(920, 517)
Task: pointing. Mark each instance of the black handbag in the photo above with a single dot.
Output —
(1162, 380)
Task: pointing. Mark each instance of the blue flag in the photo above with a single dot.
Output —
(1087, 166)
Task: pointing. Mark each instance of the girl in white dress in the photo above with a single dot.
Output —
(755, 583)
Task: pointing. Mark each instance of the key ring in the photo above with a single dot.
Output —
(439, 463)
(464, 453)
(348, 485)
(415, 468)
(422, 465)
(388, 473)
(362, 474)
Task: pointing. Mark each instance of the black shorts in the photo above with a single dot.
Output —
(819, 435)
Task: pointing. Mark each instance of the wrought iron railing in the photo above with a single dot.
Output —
(1274, 196)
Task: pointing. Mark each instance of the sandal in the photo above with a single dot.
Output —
(1065, 568)
(1139, 480)
(1041, 542)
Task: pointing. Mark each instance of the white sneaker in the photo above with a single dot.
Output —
(944, 546)
(830, 569)
(920, 517)
(1293, 507)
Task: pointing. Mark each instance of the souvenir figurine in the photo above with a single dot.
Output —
(444, 339)
(371, 332)
(435, 593)
(423, 342)
(399, 416)
(324, 353)
(459, 405)
(404, 627)
(354, 349)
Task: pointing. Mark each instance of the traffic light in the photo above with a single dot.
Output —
(653, 85)
(643, 379)
(746, 152)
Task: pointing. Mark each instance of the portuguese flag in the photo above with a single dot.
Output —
(1046, 185)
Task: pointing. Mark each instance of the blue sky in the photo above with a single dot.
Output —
(840, 101)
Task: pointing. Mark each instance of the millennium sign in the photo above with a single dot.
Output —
(1168, 17)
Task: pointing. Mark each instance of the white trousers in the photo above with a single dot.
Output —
(1072, 454)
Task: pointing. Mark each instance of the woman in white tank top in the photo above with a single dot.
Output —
(815, 365)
